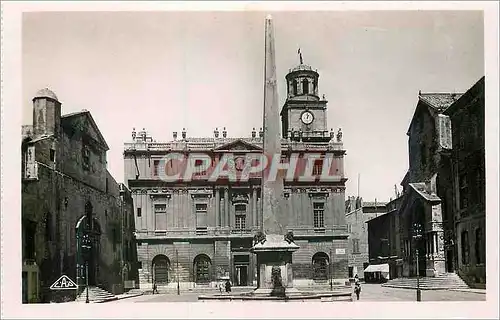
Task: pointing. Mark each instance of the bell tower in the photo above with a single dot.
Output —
(303, 116)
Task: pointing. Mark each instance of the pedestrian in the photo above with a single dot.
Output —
(357, 290)
(356, 279)
(155, 288)
(228, 286)
(221, 286)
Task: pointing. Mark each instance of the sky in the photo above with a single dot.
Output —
(165, 71)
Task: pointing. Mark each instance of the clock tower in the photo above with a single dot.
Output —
(303, 116)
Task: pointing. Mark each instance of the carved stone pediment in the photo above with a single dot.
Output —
(239, 198)
(200, 193)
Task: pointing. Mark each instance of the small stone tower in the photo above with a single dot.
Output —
(46, 113)
(303, 116)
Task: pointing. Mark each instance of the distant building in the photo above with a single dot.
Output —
(384, 240)
(73, 212)
(358, 212)
(468, 208)
(200, 231)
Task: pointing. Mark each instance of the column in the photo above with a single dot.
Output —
(311, 86)
(217, 206)
(226, 206)
(254, 207)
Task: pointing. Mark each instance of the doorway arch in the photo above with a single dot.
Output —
(202, 268)
(160, 268)
(88, 248)
(320, 263)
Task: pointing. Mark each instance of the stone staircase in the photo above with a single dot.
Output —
(96, 295)
(445, 281)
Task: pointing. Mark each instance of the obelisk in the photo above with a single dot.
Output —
(273, 250)
(272, 189)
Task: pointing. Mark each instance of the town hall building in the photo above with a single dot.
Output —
(196, 233)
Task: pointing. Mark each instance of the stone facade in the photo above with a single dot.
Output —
(65, 184)
(201, 231)
(426, 186)
(384, 239)
(468, 175)
(358, 213)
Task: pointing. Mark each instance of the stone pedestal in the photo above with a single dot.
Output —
(274, 252)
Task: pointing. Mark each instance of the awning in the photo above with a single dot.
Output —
(377, 268)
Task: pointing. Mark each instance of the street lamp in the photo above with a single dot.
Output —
(417, 235)
(177, 271)
(87, 281)
(330, 270)
(87, 246)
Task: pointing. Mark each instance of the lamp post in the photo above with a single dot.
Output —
(177, 271)
(87, 246)
(87, 282)
(417, 235)
(330, 270)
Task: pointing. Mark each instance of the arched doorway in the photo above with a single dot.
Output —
(88, 232)
(320, 262)
(202, 266)
(160, 267)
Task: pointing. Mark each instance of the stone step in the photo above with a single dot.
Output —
(95, 294)
(445, 281)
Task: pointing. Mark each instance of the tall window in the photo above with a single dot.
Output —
(201, 217)
(355, 246)
(85, 157)
(305, 86)
(295, 87)
(240, 217)
(139, 212)
(156, 164)
(317, 168)
(52, 155)
(161, 216)
(478, 246)
(319, 214)
(465, 247)
(464, 189)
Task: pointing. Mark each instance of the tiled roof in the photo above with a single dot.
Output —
(421, 189)
(440, 101)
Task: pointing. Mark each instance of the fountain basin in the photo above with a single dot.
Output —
(290, 295)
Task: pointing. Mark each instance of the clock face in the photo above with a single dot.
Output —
(239, 163)
(307, 117)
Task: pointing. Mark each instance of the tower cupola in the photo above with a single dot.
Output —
(46, 113)
(302, 82)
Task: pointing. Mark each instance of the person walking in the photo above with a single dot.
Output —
(357, 290)
(221, 286)
(155, 288)
(228, 286)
